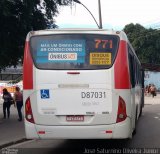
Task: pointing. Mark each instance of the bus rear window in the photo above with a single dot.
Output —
(74, 51)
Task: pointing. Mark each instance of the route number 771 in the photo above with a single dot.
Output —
(103, 43)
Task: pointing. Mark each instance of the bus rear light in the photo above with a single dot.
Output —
(121, 114)
(28, 111)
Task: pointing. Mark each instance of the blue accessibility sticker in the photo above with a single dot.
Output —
(44, 93)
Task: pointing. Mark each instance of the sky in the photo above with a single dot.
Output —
(115, 14)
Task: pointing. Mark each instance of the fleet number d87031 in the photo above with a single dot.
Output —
(93, 94)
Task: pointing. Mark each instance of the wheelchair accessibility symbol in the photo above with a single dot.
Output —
(44, 93)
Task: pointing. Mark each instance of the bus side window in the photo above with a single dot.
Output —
(136, 72)
(132, 69)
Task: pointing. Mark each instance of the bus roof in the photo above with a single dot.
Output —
(121, 34)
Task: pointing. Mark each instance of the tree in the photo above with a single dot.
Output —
(17, 18)
(146, 42)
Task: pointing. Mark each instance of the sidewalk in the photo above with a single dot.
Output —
(150, 100)
(11, 130)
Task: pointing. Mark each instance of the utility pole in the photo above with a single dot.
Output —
(100, 16)
(99, 8)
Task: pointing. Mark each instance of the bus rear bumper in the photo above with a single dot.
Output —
(120, 130)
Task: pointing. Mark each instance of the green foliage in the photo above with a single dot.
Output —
(146, 42)
(17, 18)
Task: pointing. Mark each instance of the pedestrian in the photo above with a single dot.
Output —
(149, 89)
(7, 103)
(146, 90)
(153, 90)
(18, 97)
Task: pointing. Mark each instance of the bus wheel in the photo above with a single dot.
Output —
(135, 130)
(140, 114)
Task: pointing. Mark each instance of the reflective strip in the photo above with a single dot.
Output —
(108, 131)
(41, 132)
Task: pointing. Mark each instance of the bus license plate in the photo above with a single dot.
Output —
(71, 118)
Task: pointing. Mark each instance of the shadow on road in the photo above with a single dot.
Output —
(91, 146)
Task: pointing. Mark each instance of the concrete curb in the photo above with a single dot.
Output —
(13, 142)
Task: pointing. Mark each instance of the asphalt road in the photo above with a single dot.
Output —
(146, 140)
(11, 129)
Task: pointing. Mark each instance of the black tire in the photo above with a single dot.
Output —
(135, 129)
(141, 108)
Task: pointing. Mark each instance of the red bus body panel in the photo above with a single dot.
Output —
(27, 68)
(121, 67)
